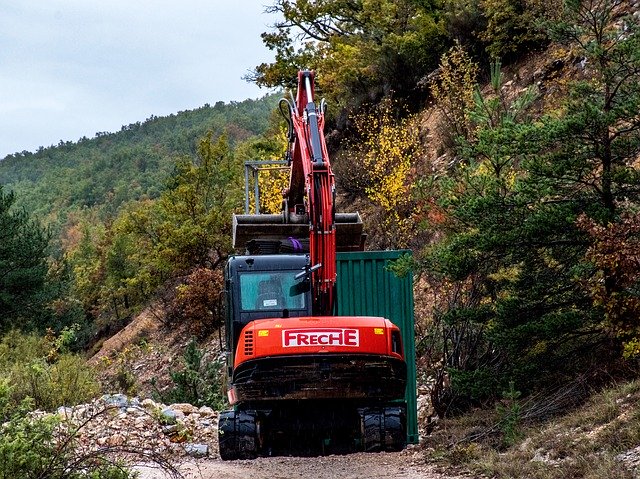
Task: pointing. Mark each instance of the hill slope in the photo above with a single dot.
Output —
(113, 168)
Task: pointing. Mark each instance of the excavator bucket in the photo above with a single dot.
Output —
(273, 228)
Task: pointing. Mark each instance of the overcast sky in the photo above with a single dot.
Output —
(71, 68)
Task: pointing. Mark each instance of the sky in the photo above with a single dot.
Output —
(71, 68)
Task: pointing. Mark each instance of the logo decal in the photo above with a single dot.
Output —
(320, 337)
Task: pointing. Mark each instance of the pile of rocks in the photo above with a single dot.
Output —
(144, 426)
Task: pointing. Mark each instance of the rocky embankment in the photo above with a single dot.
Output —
(180, 440)
(119, 424)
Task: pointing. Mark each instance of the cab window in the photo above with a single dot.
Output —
(271, 291)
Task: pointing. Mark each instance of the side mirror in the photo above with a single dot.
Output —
(306, 272)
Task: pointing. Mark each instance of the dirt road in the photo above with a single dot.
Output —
(403, 465)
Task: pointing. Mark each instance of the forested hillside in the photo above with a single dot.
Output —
(113, 168)
(75, 213)
(499, 140)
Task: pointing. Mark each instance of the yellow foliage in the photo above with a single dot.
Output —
(272, 179)
(539, 348)
(510, 274)
(483, 169)
(271, 183)
(632, 349)
(387, 151)
(454, 90)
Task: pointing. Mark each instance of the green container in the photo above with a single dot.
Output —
(366, 288)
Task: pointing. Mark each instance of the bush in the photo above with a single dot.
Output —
(499, 28)
(41, 447)
(465, 22)
(66, 382)
(198, 301)
(453, 92)
(199, 383)
(512, 27)
(41, 369)
(386, 153)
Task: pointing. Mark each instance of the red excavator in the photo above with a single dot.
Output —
(299, 378)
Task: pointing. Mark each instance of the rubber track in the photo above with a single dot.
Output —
(394, 429)
(384, 429)
(237, 435)
(372, 433)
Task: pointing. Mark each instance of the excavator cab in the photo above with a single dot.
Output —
(262, 287)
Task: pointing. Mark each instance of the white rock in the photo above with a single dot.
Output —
(196, 450)
(184, 408)
(64, 412)
(206, 411)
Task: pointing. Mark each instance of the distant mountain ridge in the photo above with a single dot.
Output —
(113, 168)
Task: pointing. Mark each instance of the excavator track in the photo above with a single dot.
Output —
(237, 435)
(383, 429)
(309, 428)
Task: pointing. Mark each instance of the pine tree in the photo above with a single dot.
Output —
(23, 266)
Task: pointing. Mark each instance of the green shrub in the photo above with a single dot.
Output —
(474, 386)
(512, 26)
(32, 447)
(38, 368)
(465, 21)
(510, 412)
(68, 382)
(17, 347)
(198, 383)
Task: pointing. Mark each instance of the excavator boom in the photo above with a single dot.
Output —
(308, 203)
(309, 150)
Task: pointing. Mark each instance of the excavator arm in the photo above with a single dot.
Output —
(312, 180)
(308, 206)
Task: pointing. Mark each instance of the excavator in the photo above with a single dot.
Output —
(298, 377)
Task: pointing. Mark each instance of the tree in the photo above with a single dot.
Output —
(362, 50)
(380, 163)
(591, 158)
(596, 142)
(188, 226)
(510, 254)
(513, 25)
(453, 91)
(535, 218)
(23, 265)
(119, 264)
(198, 204)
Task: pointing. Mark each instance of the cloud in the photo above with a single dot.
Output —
(70, 68)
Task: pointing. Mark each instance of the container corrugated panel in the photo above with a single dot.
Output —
(366, 288)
